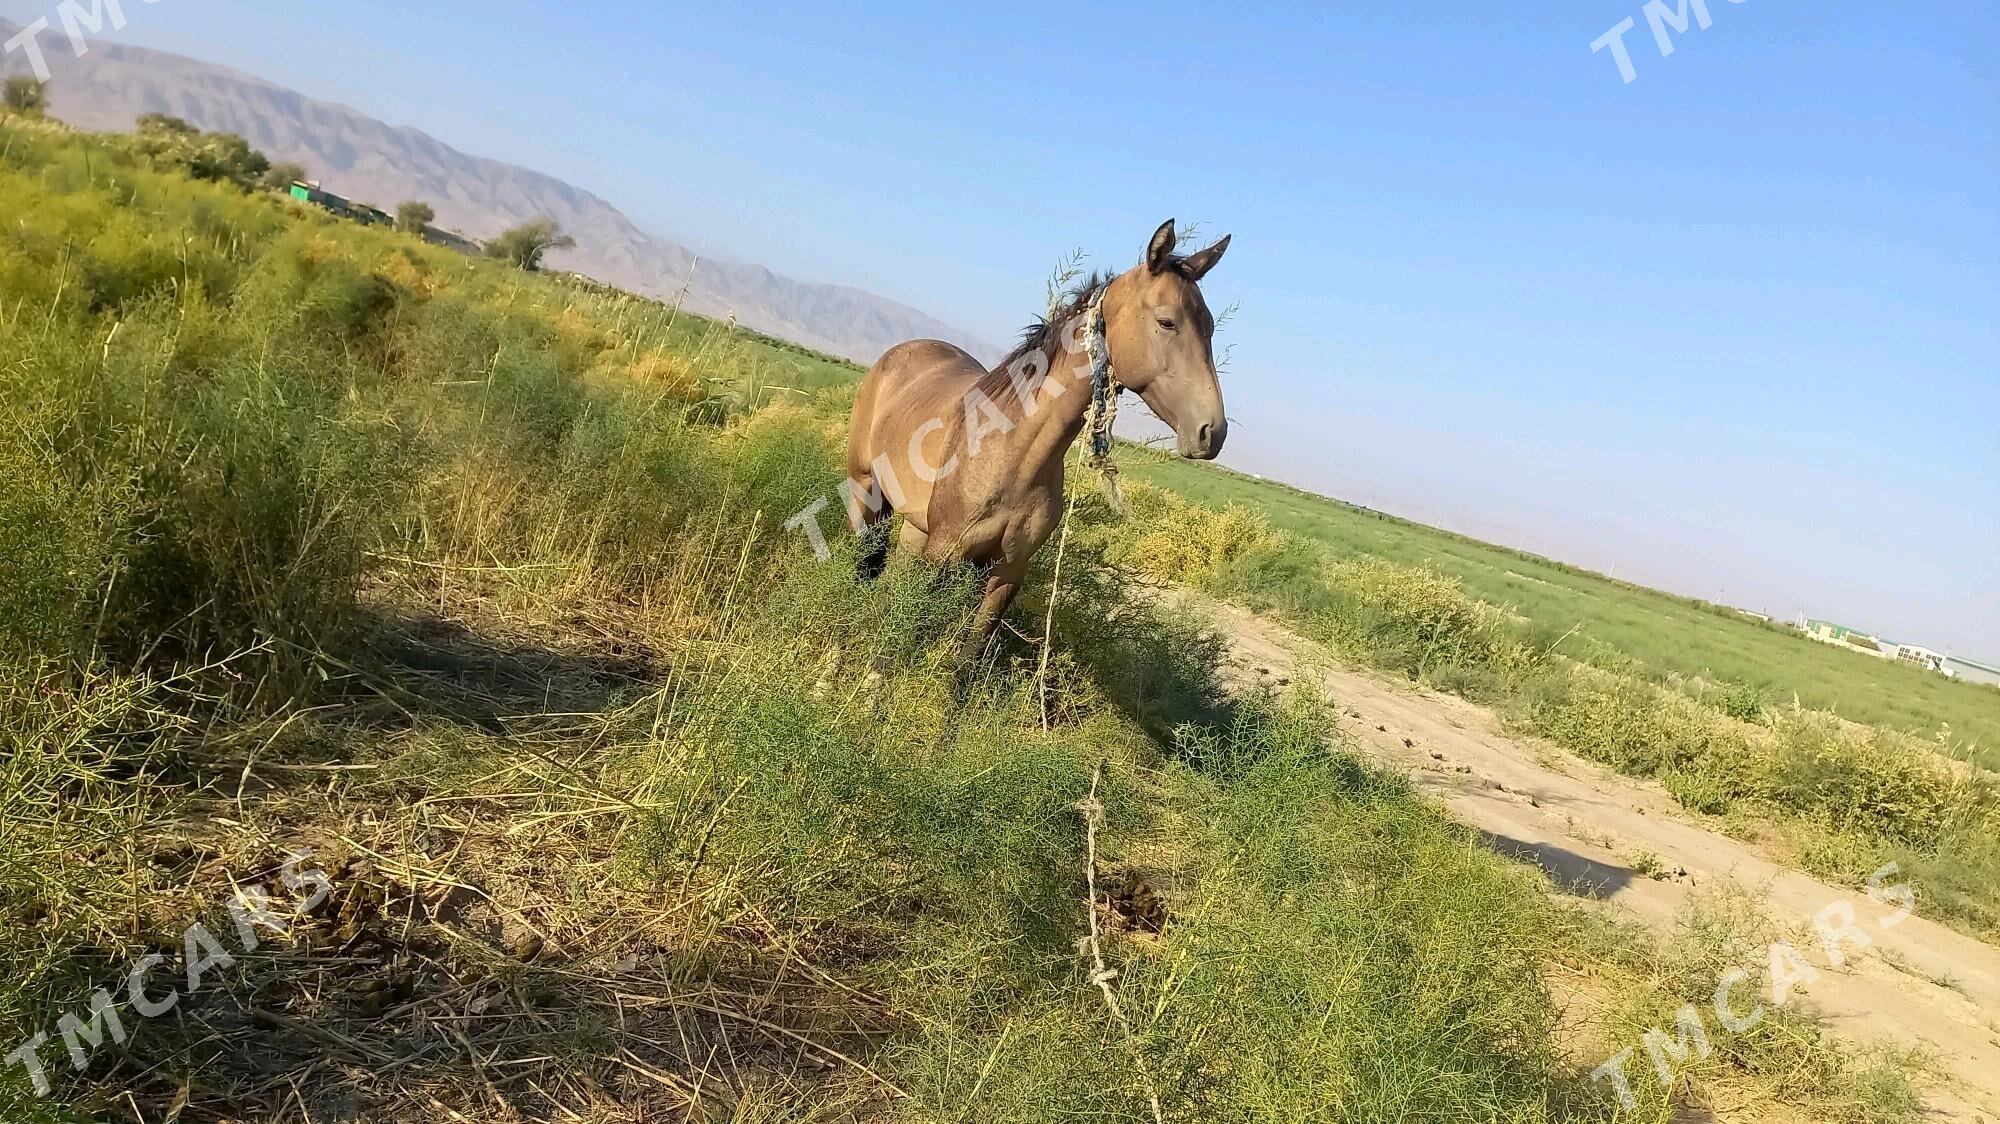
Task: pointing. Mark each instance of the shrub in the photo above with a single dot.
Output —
(280, 177)
(1699, 790)
(1638, 728)
(56, 553)
(1180, 542)
(221, 157)
(1741, 701)
(413, 216)
(1366, 996)
(1720, 929)
(22, 94)
(1416, 621)
(1871, 781)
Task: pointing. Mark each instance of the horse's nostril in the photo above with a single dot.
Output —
(1205, 434)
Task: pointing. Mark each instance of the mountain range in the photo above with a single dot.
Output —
(362, 158)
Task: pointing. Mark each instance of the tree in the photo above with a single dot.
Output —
(412, 217)
(525, 244)
(281, 177)
(223, 157)
(226, 156)
(22, 94)
(161, 123)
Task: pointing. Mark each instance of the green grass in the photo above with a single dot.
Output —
(474, 581)
(1617, 624)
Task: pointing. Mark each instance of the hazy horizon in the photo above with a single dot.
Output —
(1726, 330)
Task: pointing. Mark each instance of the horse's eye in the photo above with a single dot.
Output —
(1167, 324)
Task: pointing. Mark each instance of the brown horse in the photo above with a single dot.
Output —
(973, 459)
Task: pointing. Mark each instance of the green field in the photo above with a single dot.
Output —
(1616, 623)
(472, 581)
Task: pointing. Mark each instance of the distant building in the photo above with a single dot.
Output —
(1841, 634)
(1919, 655)
(453, 240)
(1955, 667)
(309, 191)
(1971, 671)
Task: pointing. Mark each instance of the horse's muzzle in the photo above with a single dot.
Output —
(1204, 441)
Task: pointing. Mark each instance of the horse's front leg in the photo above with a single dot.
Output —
(1001, 586)
(1011, 552)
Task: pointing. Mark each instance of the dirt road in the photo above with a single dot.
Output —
(1917, 984)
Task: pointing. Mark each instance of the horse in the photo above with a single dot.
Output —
(973, 458)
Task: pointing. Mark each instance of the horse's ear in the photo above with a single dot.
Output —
(1197, 265)
(1160, 253)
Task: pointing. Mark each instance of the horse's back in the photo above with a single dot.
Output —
(912, 383)
(914, 364)
(909, 401)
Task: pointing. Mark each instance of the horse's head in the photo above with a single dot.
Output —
(1160, 336)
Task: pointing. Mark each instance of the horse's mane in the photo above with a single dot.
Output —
(1045, 333)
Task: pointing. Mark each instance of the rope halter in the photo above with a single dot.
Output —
(1103, 385)
(1103, 410)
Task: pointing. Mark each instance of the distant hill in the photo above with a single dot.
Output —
(366, 159)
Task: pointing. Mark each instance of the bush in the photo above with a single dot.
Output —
(1367, 996)
(1180, 542)
(1871, 781)
(1741, 701)
(1415, 621)
(280, 177)
(1700, 791)
(412, 216)
(1849, 798)
(1638, 728)
(57, 547)
(22, 94)
(220, 157)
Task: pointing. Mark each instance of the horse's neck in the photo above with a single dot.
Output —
(1043, 436)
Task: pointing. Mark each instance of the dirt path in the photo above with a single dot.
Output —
(1917, 984)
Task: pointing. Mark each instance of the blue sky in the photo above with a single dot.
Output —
(1729, 329)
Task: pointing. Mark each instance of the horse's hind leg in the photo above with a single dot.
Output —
(870, 507)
